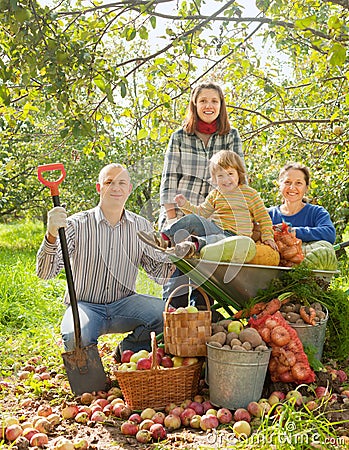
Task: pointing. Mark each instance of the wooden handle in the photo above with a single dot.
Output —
(202, 292)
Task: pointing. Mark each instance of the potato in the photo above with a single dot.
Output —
(217, 337)
(252, 336)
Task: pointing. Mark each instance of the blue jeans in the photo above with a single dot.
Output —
(195, 228)
(138, 314)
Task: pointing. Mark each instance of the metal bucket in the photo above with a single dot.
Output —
(312, 335)
(235, 378)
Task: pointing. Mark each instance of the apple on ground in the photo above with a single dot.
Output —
(158, 417)
(172, 422)
(169, 407)
(224, 415)
(186, 415)
(143, 436)
(158, 432)
(146, 424)
(147, 413)
(208, 422)
(207, 405)
(211, 411)
(129, 428)
(197, 407)
(135, 417)
(242, 414)
(255, 409)
(195, 421)
(295, 397)
(177, 410)
(13, 431)
(242, 429)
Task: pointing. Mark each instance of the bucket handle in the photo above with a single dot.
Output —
(202, 292)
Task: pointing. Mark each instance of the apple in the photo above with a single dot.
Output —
(266, 407)
(180, 310)
(86, 398)
(146, 424)
(115, 391)
(70, 411)
(138, 355)
(186, 415)
(242, 429)
(98, 416)
(195, 421)
(158, 417)
(281, 395)
(29, 432)
(242, 414)
(177, 361)
(143, 436)
(102, 402)
(211, 411)
(39, 440)
(255, 409)
(147, 413)
(198, 398)
(166, 361)
(95, 408)
(311, 405)
(273, 399)
(129, 428)
(12, 432)
(43, 425)
(189, 361)
(235, 326)
(44, 410)
(143, 364)
(80, 444)
(342, 376)
(135, 417)
(64, 444)
(295, 397)
(160, 351)
(177, 410)
(126, 356)
(186, 403)
(197, 407)
(208, 422)
(207, 405)
(82, 408)
(224, 415)
(172, 422)
(191, 309)
(82, 417)
(158, 431)
(169, 407)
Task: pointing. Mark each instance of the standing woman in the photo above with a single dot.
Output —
(311, 222)
(206, 130)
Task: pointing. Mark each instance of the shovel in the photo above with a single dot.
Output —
(83, 365)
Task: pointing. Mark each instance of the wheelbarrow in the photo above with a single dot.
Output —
(232, 284)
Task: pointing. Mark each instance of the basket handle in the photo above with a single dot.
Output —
(154, 347)
(202, 292)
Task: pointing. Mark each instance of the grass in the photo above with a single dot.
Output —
(30, 308)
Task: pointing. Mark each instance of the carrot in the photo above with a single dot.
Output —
(270, 308)
(255, 309)
(308, 316)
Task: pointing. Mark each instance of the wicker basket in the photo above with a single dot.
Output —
(185, 334)
(157, 386)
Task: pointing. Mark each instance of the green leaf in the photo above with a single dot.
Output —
(143, 33)
(334, 23)
(306, 22)
(142, 134)
(130, 34)
(99, 82)
(153, 21)
(123, 89)
(188, 48)
(337, 55)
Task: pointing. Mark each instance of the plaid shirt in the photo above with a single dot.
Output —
(186, 166)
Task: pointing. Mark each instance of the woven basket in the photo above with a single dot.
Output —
(157, 386)
(185, 334)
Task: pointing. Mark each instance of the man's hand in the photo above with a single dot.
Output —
(56, 218)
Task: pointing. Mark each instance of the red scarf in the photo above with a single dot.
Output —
(206, 128)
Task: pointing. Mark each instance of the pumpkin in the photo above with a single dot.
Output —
(321, 258)
(236, 249)
(265, 255)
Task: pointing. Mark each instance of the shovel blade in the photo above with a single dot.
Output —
(85, 370)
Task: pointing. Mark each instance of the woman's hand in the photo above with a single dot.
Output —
(271, 244)
(180, 200)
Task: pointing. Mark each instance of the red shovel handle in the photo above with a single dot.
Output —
(53, 185)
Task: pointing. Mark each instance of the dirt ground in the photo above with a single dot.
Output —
(15, 400)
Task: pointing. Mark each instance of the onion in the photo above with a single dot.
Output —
(286, 377)
(287, 358)
(281, 368)
(271, 323)
(265, 334)
(280, 336)
(273, 365)
(276, 350)
(300, 371)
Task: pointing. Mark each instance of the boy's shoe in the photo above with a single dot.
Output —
(117, 354)
(185, 249)
(154, 239)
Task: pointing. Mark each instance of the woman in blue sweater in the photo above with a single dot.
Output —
(311, 222)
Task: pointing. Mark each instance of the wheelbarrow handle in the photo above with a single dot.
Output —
(53, 185)
(341, 245)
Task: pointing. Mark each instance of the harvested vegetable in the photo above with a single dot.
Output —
(265, 255)
(289, 246)
(238, 249)
(308, 315)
